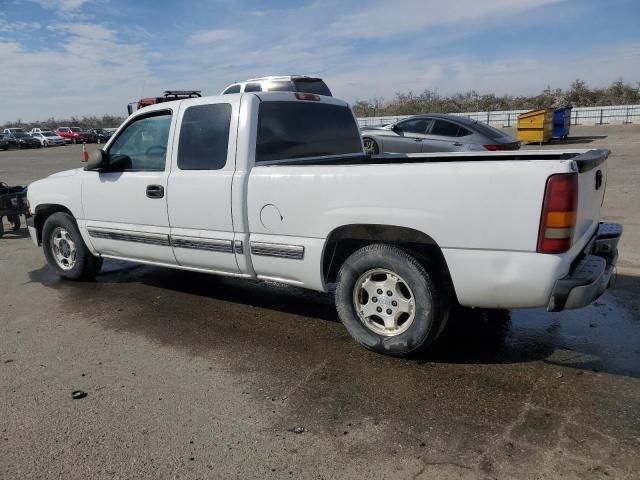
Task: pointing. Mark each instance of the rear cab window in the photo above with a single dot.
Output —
(204, 137)
(312, 86)
(305, 130)
(252, 87)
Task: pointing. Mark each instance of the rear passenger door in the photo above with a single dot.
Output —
(199, 187)
(445, 136)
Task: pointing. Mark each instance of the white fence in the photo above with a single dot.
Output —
(617, 114)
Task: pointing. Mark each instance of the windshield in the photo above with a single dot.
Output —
(49, 134)
(75, 129)
(20, 135)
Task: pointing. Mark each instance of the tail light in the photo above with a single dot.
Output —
(559, 210)
(500, 147)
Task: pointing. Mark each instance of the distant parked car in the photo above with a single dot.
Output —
(14, 130)
(75, 135)
(22, 140)
(5, 144)
(436, 133)
(38, 130)
(102, 135)
(284, 83)
(48, 138)
(68, 135)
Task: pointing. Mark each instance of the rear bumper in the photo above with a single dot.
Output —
(591, 275)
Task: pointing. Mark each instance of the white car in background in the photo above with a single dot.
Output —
(282, 83)
(47, 138)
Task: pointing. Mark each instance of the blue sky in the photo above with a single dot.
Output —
(74, 57)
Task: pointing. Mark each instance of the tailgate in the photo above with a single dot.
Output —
(592, 179)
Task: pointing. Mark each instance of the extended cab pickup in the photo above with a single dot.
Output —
(276, 186)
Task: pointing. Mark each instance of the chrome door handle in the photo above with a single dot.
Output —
(417, 139)
(155, 191)
(457, 144)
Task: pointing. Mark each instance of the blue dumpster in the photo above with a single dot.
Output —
(561, 122)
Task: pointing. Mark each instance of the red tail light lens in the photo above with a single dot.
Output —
(559, 210)
(499, 147)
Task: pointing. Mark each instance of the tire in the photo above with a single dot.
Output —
(45, 144)
(370, 146)
(74, 141)
(416, 285)
(1, 228)
(81, 266)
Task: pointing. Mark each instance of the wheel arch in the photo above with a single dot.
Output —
(346, 239)
(44, 211)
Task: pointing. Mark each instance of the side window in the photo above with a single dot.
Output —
(143, 144)
(445, 129)
(232, 89)
(281, 87)
(416, 125)
(463, 132)
(252, 87)
(204, 137)
(295, 130)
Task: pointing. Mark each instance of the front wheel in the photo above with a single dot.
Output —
(65, 250)
(45, 144)
(389, 301)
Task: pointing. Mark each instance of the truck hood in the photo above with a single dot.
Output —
(66, 173)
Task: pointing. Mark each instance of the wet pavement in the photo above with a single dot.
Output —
(189, 375)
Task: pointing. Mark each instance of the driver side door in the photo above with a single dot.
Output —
(125, 207)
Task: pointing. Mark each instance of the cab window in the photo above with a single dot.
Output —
(232, 89)
(415, 125)
(142, 145)
(204, 137)
(252, 87)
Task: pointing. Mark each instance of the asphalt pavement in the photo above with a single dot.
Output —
(193, 376)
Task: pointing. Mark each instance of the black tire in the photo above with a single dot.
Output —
(1, 228)
(86, 265)
(74, 141)
(431, 301)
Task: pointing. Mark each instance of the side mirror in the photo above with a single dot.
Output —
(396, 128)
(98, 161)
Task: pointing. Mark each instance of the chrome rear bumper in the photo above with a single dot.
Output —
(591, 275)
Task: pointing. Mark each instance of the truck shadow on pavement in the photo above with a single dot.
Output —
(602, 337)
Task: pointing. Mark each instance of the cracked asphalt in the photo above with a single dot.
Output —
(194, 376)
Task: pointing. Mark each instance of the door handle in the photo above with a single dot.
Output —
(417, 139)
(457, 144)
(155, 191)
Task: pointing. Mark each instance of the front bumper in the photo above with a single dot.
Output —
(591, 275)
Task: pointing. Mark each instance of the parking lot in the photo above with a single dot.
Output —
(189, 375)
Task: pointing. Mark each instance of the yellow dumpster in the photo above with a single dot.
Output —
(536, 126)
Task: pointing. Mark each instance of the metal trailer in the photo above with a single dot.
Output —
(13, 203)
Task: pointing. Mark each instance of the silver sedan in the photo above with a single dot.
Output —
(436, 133)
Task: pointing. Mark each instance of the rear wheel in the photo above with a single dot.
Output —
(388, 301)
(65, 250)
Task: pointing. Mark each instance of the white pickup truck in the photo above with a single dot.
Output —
(276, 186)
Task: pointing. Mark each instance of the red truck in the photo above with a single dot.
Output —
(167, 96)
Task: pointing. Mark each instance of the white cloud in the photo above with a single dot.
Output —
(512, 75)
(212, 36)
(390, 18)
(61, 4)
(89, 72)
